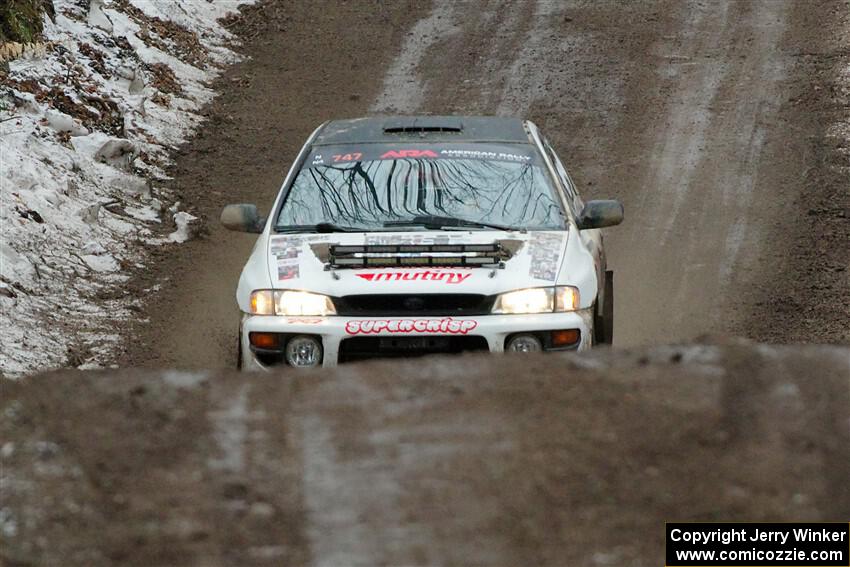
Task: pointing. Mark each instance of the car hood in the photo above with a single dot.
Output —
(298, 262)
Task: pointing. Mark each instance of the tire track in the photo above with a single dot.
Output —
(402, 91)
(697, 223)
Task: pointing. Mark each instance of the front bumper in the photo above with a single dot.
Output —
(333, 330)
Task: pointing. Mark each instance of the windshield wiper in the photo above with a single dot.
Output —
(319, 227)
(438, 222)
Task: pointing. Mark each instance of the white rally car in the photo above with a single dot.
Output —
(401, 236)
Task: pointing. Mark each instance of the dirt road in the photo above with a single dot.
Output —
(400, 463)
(705, 118)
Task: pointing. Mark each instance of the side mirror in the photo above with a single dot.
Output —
(599, 214)
(242, 218)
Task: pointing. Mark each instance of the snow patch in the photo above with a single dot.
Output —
(186, 227)
(87, 129)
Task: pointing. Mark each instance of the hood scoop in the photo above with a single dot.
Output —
(337, 256)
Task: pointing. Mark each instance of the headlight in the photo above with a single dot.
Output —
(538, 300)
(302, 303)
(291, 303)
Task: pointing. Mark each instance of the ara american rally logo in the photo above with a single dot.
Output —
(443, 326)
(448, 277)
(401, 154)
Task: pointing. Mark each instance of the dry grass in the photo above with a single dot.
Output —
(21, 20)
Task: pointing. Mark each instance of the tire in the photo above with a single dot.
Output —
(239, 349)
(608, 309)
(603, 331)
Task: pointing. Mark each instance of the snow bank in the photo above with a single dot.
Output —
(86, 130)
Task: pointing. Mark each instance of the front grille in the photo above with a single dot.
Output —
(363, 348)
(424, 304)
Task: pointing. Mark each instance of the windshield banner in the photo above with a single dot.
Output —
(324, 156)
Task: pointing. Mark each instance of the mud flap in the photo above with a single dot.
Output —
(603, 332)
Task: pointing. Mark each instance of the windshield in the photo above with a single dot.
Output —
(380, 186)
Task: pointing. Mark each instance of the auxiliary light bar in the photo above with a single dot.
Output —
(413, 255)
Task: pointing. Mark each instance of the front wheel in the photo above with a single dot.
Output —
(239, 349)
(603, 333)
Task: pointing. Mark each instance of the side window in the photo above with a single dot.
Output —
(576, 204)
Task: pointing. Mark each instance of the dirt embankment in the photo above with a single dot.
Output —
(549, 460)
(708, 121)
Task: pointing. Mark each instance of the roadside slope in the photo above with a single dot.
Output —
(89, 117)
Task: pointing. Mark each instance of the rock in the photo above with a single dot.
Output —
(30, 214)
(187, 227)
(126, 72)
(133, 185)
(602, 558)
(7, 291)
(137, 83)
(61, 122)
(8, 449)
(102, 262)
(117, 152)
(14, 266)
(53, 198)
(261, 510)
(97, 17)
(93, 247)
(89, 214)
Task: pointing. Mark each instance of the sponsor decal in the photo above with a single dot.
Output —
(479, 154)
(283, 247)
(349, 155)
(287, 271)
(353, 156)
(444, 276)
(411, 238)
(545, 255)
(287, 249)
(304, 320)
(443, 326)
(398, 154)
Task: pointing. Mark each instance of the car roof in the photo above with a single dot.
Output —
(389, 129)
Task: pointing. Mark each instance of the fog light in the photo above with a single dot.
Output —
(565, 337)
(524, 343)
(303, 352)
